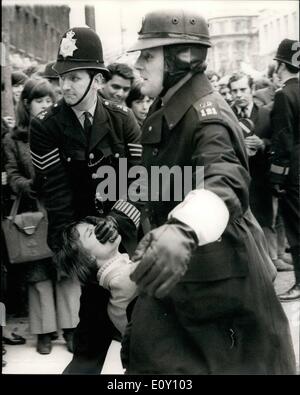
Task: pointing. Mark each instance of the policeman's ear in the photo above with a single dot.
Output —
(99, 80)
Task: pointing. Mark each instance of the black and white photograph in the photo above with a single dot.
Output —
(150, 206)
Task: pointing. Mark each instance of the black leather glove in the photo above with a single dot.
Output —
(163, 256)
(107, 229)
(278, 191)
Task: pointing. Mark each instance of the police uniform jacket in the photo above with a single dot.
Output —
(223, 316)
(286, 134)
(67, 164)
(285, 165)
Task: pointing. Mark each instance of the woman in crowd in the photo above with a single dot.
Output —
(139, 103)
(36, 96)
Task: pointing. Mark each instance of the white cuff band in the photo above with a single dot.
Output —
(205, 213)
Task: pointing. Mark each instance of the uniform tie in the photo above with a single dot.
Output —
(87, 125)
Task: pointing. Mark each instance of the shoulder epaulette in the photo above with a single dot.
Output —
(115, 106)
(48, 113)
(207, 108)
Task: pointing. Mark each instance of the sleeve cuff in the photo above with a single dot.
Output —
(128, 209)
(205, 213)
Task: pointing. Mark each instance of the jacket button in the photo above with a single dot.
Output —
(68, 159)
(91, 156)
(155, 152)
(117, 155)
(94, 176)
(150, 128)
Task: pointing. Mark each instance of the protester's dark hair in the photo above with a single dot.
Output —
(134, 94)
(120, 69)
(34, 88)
(238, 76)
(72, 259)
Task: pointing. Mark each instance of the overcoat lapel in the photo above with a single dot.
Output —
(72, 127)
(101, 126)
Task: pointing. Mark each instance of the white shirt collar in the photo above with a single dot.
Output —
(91, 111)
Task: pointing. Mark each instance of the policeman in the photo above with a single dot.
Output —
(284, 171)
(70, 143)
(202, 270)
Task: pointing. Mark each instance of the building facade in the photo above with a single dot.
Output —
(274, 26)
(34, 32)
(234, 40)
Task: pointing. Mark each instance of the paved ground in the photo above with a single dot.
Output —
(25, 360)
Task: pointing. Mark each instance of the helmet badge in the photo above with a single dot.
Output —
(67, 46)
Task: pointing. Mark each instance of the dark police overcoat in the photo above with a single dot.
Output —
(223, 317)
(285, 157)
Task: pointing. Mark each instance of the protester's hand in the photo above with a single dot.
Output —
(278, 190)
(254, 142)
(107, 230)
(163, 256)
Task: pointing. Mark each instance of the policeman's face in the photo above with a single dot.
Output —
(151, 67)
(141, 107)
(116, 89)
(40, 104)
(93, 246)
(241, 92)
(73, 86)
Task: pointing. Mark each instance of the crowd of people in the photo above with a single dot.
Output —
(187, 287)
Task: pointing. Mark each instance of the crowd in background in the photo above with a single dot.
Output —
(33, 289)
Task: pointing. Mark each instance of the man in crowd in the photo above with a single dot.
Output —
(118, 82)
(255, 123)
(70, 143)
(285, 148)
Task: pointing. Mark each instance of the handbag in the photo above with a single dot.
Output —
(26, 234)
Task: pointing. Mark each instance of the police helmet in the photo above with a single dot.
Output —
(168, 27)
(80, 49)
(286, 51)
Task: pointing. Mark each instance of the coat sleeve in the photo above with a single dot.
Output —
(51, 179)
(221, 184)
(17, 181)
(282, 138)
(126, 211)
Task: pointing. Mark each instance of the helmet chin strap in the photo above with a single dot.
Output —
(84, 95)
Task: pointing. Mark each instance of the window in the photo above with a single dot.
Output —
(237, 26)
(286, 25)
